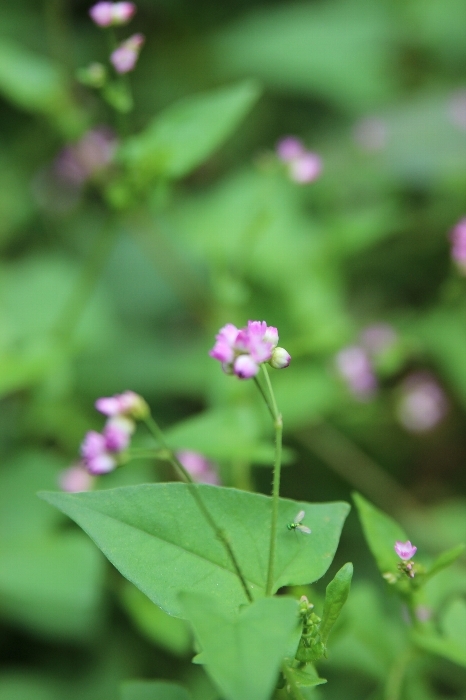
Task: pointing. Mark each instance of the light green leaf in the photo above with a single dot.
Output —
(336, 595)
(153, 690)
(445, 559)
(156, 536)
(452, 645)
(338, 50)
(243, 653)
(381, 533)
(302, 680)
(187, 133)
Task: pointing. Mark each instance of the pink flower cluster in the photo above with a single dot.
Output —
(405, 550)
(242, 351)
(303, 166)
(124, 58)
(110, 14)
(458, 245)
(100, 451)
(198, 466)
(94, 152)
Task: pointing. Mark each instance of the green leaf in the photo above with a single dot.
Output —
(302, 680)
(287, 46)
(336, 595)
(452, 645)
(35, 84)
(51, 585)
(444, 560)
(156, 536)
(381, 533)
(166, 631)
(153, 690)
(243, 653)
(187, 133)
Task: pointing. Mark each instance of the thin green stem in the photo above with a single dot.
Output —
(396, 675)
(86, 283)
(278, 425)
(291, 682)
(264, 396)
(220, 534)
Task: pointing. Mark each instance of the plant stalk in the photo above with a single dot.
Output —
(186, 476)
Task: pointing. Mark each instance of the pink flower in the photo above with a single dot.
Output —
(78, 162)
(306, 168)
(124, 58)
(289, 148)
(405, 550)
(303, 166)
(354, 366)
(378, 338)
(422, 404)
(126, 404)
(108, 14)
(75, 479)
(200, 468)
(458, 245)
(96, 459)
(242, 351)
(117, 433)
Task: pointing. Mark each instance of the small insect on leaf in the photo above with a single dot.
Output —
(296, 525)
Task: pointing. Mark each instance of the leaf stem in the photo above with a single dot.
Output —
(278, 425)
(194, 490)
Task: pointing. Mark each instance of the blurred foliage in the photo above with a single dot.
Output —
(121, 278)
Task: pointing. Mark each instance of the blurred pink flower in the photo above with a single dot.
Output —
(108, 14)
(75, 479)
(125, 57)
(127, 404)
(78, 162)
(458, 245)
(200, 468)
(303, 166)
(354, 366)
(422, 404)
(378, 337)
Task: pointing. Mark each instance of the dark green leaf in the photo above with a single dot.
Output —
(381, 533)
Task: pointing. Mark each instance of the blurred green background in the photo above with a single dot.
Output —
(110, 282)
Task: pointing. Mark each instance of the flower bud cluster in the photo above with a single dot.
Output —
(303, 165)
(406, 551)
(242, 351)
(100, 451)
(310, 648)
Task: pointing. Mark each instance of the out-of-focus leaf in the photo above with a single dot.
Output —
(153, 690)
(28, 686)
(452, 645)
(185, 134)
(444, 560)
(144, 529)
(35, 84)
(338, 50)
(242, 654)
(51, 585)
(166, 631)
(381, 533)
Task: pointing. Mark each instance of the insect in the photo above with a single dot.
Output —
(296, 525)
